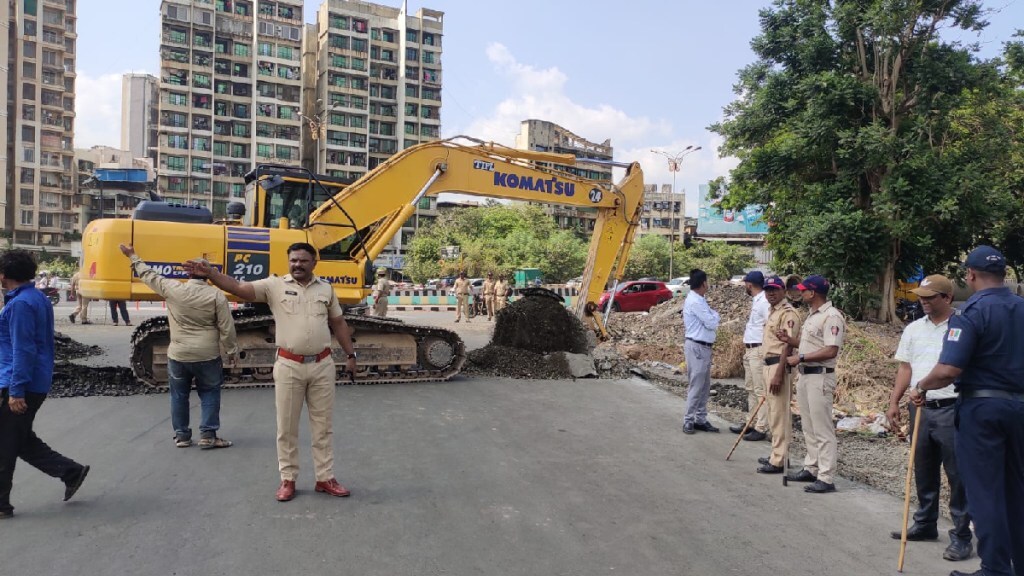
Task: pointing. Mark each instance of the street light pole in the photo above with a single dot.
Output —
(674, 161)
(316, 126)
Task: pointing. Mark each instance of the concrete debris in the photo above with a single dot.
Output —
(580, 365)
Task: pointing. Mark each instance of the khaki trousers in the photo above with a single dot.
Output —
(461, 306)
(753, 380)
(499, 302)
(780, 416)
(380, 307)
(815, 394)
(313, 383)
(489, 302)
(82, 310)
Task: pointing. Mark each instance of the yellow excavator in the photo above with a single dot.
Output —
(349, 223)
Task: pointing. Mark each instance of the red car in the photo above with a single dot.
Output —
(637, 296)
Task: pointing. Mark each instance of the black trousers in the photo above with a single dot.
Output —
(114, 306)
(935, 451)
(17, 440)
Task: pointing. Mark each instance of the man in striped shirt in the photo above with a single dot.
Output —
(918, 353)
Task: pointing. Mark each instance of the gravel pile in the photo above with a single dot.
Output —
(72, 380)
(528, 336)
(67, 349)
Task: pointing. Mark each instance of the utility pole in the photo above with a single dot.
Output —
(674, 161)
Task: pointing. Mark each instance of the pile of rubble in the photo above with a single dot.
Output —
(534, 337)
(658, 335)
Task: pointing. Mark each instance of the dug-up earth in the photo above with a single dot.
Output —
(72, 380)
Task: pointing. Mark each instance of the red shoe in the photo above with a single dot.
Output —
(332, 487)
(286, 491)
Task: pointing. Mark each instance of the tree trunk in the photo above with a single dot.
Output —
(886, 311)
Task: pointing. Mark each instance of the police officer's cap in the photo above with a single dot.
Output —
(815, 283)
(986, 259)
(774, 283)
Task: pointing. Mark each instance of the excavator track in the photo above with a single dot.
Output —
(389, 351)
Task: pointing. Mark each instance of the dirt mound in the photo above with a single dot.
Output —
(658, 334)
(66, 349)
(866, 369)
(72, 380)
(541, 325)
(505, 362)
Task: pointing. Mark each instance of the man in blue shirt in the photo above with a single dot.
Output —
(983, 353)
(26, 373)
(701, 324)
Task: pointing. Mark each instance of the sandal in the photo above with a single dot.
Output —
(210, 443)
(182, 442)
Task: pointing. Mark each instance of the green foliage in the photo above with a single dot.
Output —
(649, 257)
(873, 144)
(496, 238)
(61, 266)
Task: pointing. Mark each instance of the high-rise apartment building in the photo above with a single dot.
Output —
(6, 34)
(377, 87)
(230, 94)
(40, 188)
(544, 136)
(139, 115)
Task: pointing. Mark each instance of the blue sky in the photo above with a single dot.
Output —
(647, 74)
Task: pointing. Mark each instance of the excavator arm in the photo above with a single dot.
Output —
(389, 195)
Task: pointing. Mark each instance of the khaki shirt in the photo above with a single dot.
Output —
(198, 314)
(488, 287)
(500, 288)
(382, 289)
(823, 327)
(461, 287)
(781, 317)
(300, 313)
(74, 282)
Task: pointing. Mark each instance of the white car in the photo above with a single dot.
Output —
(679, 286)
(737, 280)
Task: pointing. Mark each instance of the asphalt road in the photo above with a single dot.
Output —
(473, 476)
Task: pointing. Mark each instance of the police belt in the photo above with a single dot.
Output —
(998, 394)
(701, 342)
(943, 403)
(745, 345)
(308, 359)
(815, 369)
(772, 360)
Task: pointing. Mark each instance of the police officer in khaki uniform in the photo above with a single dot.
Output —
(201, 327)
(489, 292)
(306, 312)
(818, 347)
(783, 321)
(381, 291)
(83, 303)
(461, 290)
(500, 293)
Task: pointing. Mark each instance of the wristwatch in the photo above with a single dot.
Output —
(352, 356)
(801, 358)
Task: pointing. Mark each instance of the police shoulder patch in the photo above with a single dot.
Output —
(954, 335)
(835, 330)
(790, 323)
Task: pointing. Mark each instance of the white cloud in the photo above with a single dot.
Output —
(540, 93)
(98, 110)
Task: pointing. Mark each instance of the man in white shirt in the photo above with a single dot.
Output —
(753, 357)
(918, 353)
(701, 323)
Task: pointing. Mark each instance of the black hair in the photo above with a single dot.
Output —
(303, 246)
(792, 282)
(697, 278)
(18, 265)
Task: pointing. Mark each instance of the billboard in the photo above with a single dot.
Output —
(714, 220)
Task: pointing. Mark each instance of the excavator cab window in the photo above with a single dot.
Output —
(287, 200)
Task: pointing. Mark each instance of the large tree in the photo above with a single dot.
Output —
(855, 129)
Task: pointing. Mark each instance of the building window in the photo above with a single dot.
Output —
(285, 52)
(241, 130)
(176, 163)
(241, 49)
(26, 217)
(412, 35)
(263, 150)
(27, 197)
(412, 54)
